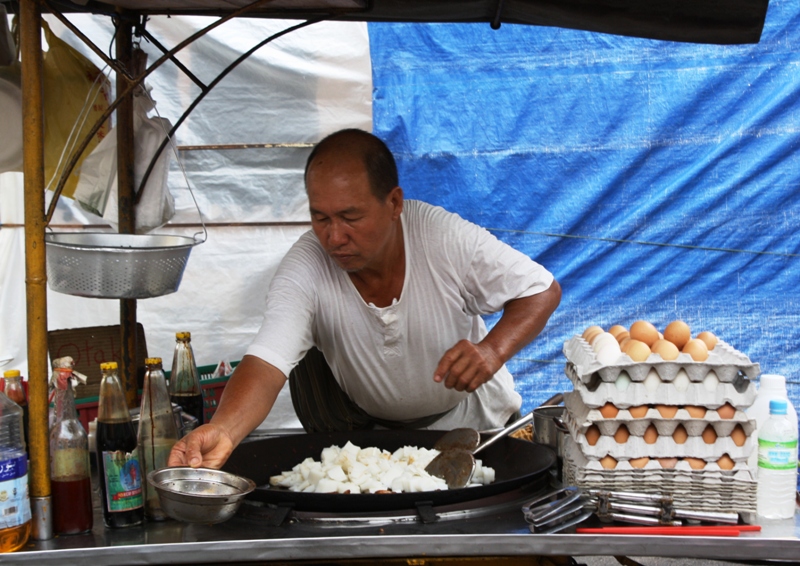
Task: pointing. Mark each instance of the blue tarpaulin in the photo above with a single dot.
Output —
(656, 180)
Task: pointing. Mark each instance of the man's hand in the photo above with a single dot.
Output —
(208, 446)
(467, 366)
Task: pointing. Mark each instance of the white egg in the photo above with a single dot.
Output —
(623, 381)
(609, 353)
(603, 339)
(711, 381)
(652, 381)
(681, 381)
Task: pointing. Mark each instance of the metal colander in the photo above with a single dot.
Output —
(116, 266)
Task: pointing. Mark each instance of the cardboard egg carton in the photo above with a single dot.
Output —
(583, 416)
(740, 393)
(727, 363)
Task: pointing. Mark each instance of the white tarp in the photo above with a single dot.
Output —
(296, 89)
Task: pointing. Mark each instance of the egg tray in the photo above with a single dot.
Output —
(724, 360)
(740, 394)
(583, 416)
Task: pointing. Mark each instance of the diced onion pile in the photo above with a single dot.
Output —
(351, 469)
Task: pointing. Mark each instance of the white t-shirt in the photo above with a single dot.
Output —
(384, 358)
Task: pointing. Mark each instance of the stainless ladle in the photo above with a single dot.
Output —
(455, 462)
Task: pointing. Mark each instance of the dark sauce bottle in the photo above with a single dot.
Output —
(15, 392)
(184, 380)
(117, 459)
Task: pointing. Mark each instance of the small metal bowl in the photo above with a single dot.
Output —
(199, 495)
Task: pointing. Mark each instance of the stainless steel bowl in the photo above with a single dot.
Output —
(199, 495)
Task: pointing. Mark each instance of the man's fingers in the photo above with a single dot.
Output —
(194, 455)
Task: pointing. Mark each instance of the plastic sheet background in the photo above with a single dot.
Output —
(656, 180)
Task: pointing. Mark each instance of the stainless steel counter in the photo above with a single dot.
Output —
(502, 534)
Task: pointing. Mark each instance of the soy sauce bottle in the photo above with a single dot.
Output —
(70, 472)
(184, 381)
(15, 392)
(117, 458)
(157, 433)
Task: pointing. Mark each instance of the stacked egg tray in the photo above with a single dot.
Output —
(579, 418)
(709, 489)
(655, 386)
(727, 363)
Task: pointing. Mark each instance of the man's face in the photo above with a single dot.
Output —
(354, 227)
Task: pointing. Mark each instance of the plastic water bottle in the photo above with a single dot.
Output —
(15, 505)
(770, 387)
(777, 464)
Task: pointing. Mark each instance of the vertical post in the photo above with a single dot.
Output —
(35, 264)
(126, 197)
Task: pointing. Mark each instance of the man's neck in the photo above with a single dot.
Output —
(380, 285)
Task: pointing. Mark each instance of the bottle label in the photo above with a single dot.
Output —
(123, 481)
(774, 455)
(15, 505)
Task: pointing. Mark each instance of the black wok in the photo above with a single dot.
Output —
(516, 463)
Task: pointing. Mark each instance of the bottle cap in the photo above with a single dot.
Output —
(108, 366)
(777, 407)
(152, 361)
(11, 373)
(772, 381)
(183, 335)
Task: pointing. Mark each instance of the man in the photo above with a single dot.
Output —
(391, 293)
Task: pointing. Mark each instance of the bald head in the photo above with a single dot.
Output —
(368, 149)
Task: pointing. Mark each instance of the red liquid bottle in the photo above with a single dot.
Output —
(70, 473)
(117, 460)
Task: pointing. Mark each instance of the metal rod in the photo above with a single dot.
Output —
(137, 81)
(175, 60)
(126, 211)
(226, 146)
(119, 70)
(35, 261)
(202, 95)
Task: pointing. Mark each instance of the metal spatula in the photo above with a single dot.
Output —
(456, 461)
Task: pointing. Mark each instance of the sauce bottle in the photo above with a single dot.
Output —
(15, 504)
(15, 392)
(157, 433)
(184, 381)
(70, 472)
(117, 459)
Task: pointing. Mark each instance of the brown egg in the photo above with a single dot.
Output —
(639, 462)
(709, 435)
(680, 435)
(592, 435)
(638, 412)
(609, 410)
(622, 434)
(695, 411)
(708, 338)
(726, 411)
(696, 463)
(725, 462)
(608, 462)
(678, 333)
(668, 463)
(651, 434)
(622, 336)
(697, 349)
(738, 436)
(667, 411)
(624, 342)
(616, 329)
(644, 331)
(590, 332)
(666, 349)
(637, 350)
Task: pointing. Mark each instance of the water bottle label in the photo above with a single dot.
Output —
(777, 455)
(15, 505)
(123, 481)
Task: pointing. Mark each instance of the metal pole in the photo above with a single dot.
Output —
(35, 263)
(125, 205)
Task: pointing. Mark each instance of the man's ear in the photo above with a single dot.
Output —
(395, 198)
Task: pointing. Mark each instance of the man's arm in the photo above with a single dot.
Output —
(467, 366)
(246, 401)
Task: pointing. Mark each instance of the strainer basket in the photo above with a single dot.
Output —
(116, 266)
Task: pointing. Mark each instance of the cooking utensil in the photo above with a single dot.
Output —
(516, 463)
(455, 464)
(199, 495)
(693, 530)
